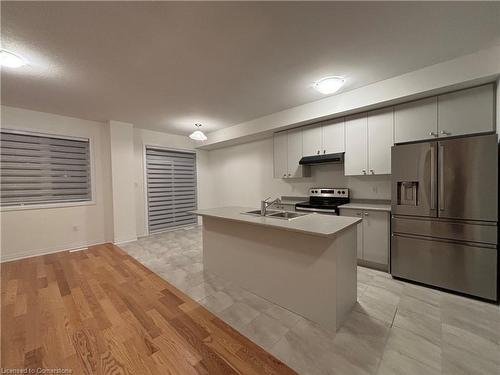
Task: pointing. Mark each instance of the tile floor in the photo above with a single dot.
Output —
(395, 328)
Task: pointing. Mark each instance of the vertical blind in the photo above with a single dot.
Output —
(39, 169)
(171, 181)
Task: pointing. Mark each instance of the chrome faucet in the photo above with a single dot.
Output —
(264, 205)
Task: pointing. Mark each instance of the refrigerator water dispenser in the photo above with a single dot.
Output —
(408, 193)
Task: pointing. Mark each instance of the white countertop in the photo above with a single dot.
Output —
(368, 206)
(313, 224)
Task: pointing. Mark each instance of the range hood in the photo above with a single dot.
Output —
(337, 158)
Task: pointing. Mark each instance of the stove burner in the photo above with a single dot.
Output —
(324, 200)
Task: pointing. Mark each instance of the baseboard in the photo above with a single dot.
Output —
(121, 242)
(182, 227)
(373, 265)
(39, 252)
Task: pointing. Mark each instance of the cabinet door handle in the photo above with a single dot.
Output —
(284, 175)
(441, 178)
(433, 177)
(365, 213)
(433, 134)
(318, 152)
(364, 171)
(324, 151)
(371, 171)
(289, 174)
(444, 132)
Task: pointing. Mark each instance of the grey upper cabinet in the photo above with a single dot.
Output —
(311, 140)
(366, 138)
(280, 141)
(325, 139)
(467, 111)
(416, 120)
(380, 140)
(356, 145)
(368, 142)
(287, 154)
(332, 135)
(294, 153)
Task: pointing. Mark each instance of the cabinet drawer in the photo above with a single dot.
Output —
(445, 264)
(446, 229)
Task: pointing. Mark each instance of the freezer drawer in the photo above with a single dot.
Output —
(450, 265)
(457, 230)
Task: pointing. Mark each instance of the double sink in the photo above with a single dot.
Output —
(284, 215)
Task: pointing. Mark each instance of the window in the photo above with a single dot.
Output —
(38, 169)
(171, 181)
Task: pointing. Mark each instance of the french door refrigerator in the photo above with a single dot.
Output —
(445, 214)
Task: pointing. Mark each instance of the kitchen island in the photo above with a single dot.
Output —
(306, 265)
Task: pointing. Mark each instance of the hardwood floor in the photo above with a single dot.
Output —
(99, 311)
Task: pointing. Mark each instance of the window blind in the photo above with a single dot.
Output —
(39, 169)
(171, 182)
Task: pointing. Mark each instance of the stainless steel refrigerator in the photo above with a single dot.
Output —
(445, 214)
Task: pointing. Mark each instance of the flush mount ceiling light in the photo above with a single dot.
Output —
(329, 85)
(11, 60)
(198, 135)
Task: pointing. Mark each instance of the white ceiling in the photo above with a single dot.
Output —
(165, 66)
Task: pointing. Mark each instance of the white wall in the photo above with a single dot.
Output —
(243, 175)
(36, 231)
(117, 214)
(122, 157)
(142, 138)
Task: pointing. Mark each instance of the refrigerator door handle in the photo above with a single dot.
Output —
(441, 178)
(433, 177)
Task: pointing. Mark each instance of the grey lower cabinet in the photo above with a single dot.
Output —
(373, 237)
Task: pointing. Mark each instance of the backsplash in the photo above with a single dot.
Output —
(332, 175)
(243, 175)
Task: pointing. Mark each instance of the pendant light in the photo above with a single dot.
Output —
(198, 135)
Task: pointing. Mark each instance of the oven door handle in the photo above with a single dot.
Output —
(316, 209)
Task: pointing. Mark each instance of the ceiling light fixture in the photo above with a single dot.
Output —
(329, 85)
(11, 60)
(198, 135)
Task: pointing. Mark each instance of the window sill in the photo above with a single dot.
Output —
(46, 206)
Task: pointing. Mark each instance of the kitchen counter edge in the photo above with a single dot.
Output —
(313, 224)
